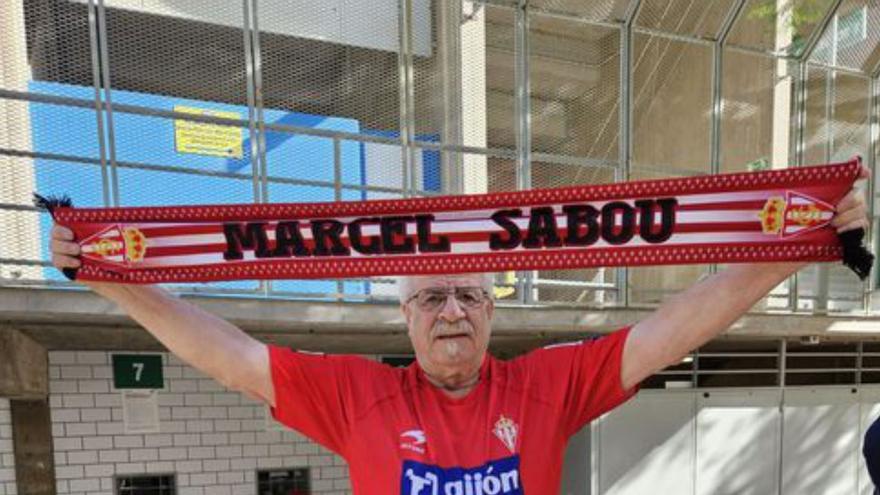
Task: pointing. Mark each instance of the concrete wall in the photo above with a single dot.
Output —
(214, 439)
(7, 461)
(736, 441)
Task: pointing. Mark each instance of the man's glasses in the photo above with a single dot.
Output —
(432, 299)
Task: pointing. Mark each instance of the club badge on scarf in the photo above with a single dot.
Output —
(779, 215)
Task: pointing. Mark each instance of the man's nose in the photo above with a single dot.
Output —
(451, 310)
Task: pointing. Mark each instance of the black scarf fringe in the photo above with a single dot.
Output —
(855, 255)
(49, 203)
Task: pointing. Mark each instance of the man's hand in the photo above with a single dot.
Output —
(852, 210)
(691, 318)
(65, 252)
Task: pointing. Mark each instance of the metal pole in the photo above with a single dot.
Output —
(783, 351)
(258, 174)
(108, 101)
(99, 108)
(823, 275)
(820, 30)
(403, 96)
(873, 149)
(337, 196)
(247, 32)
(450, 59)
(410, 97)
(870, 161)
(624, 141)
(522, 105)
(799, 143)
(717, 81)
(717, 97)
(258, 100)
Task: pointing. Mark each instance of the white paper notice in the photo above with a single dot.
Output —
(140, 411)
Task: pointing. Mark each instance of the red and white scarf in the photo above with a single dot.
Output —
(779, 215)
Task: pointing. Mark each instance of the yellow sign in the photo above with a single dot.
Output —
(509, 280)
(207, 139)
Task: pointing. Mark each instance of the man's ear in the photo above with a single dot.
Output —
(407, 312)
(490, 310)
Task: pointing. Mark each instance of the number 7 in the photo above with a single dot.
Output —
(138, 369)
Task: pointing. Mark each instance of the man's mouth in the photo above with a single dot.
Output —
(452, 336)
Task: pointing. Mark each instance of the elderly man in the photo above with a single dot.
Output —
(458, 421)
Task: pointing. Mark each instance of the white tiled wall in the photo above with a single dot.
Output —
(214, 440)
(7, 462)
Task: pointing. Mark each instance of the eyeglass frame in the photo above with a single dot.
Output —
(450, 291)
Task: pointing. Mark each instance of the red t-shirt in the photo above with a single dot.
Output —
(400, 434)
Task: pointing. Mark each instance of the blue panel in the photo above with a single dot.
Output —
(431, 177)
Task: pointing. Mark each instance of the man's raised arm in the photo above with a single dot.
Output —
(693, 317)
(208, 343)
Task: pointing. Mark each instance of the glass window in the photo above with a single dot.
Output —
(146, 485)
(283, 482)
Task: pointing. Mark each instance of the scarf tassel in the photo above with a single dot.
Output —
(855, 255)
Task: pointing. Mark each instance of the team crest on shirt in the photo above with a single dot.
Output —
(413, 440)
(505, 429)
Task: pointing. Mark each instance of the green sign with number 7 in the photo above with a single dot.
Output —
(137, 371)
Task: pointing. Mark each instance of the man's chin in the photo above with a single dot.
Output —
(454, 350)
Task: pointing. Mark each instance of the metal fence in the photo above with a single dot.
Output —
(779, 363)
(124, 102)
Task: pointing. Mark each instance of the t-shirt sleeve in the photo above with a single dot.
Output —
(583, 378)
(312, 395)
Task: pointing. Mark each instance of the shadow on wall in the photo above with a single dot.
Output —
(681, 442)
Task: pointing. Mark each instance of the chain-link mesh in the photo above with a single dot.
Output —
(851, 117)
(756, 112)
(856, 41)
(574, 81)
(702, 19)
(179, 51)
(58, 42)
(598, 10)
(348, 78)
(849, 41)
(464, 91)
(816, 132)
(776, 26)
(672, 94)
(500, 79)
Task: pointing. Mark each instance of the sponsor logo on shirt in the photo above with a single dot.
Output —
(498, 477)
(505, 429)
(413, 440)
